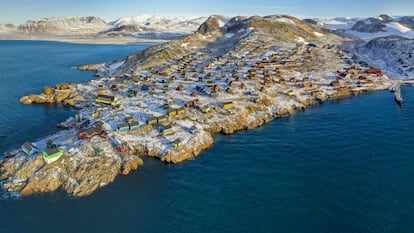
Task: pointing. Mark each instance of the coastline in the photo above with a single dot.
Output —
(169, 100)
(97, 41)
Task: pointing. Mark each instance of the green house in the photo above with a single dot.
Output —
(51, 155)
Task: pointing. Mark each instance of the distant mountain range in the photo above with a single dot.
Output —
(162, 27)
(369, 28)
(383, 41)
(138, 26)
(152, 24)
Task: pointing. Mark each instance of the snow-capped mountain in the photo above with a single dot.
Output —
(339, 23)
(370, 28)
(7, 27)
(383, 26)
(150, 26)
(393, 54)
(65, 26)
(143, 25)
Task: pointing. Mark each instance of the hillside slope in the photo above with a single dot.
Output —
(219, 35)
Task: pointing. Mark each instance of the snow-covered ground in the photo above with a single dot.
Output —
(391, 29)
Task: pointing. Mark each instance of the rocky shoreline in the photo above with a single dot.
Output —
(168, 101)
(82, 175)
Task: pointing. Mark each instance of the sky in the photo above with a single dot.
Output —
(19, 11)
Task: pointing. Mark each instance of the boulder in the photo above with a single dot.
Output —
(130, 163)
(26, 100)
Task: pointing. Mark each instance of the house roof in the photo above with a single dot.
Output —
(105, 97)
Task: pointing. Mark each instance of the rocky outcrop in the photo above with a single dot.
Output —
(130, 163)
(90, 67)
(214, 22)
(68, 97)
(189, 150)
(78, 175)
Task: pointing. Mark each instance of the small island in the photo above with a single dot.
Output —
(169, 100)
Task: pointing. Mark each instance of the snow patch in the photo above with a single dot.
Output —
(246, 31)
(393, 28)
(113, 67)
(184, 44)
(229, 35)
(301, 40)
(318, 34)
(399, 27)
(285, 20)
(223, 22)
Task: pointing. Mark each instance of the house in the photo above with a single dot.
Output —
(152, 121)
(196, 102)
(82, 123)
(374, 71)
(161, 119)
(171, 112)
(129, 119)
(30, 148)
(343, 90)
(97, 129)
(176, 143)
(210, 83)
(335, 83)
(132, 93)
(306, 84)
(180, 111)
(205, 109)
(315, 93)
(216, 88)
(108, 99)
(180, 87)
(291, 93)
(51, 155)
(123, 127)
(228, 105)
(189, 104)
(166, 130)
(51, 144)
(134, 125)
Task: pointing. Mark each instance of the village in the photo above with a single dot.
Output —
(166, 106)
(172, 111)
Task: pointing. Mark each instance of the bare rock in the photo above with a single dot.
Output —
(26, 100)
(61, 95)
(10, 166)
(130, 163)
(192, 149)
(211, 24)
(46, 180)
(29, 167)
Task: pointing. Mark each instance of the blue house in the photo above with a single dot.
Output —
(134, 126)
(123, 127)
(30, 148)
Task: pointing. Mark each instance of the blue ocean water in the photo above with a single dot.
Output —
(344, 166)
(26, 67)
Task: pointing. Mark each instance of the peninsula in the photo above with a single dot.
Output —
(168, 101)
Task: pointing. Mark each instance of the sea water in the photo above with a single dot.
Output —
(342, 166)
(26, 67)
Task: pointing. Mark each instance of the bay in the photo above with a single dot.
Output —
(344, 166)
